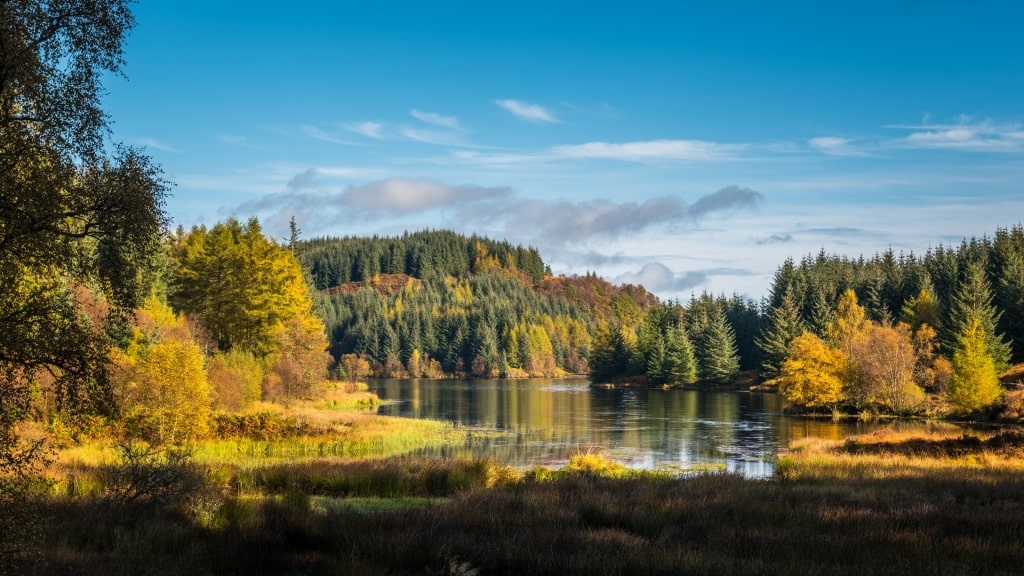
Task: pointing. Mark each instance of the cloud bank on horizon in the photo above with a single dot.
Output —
(682, 147)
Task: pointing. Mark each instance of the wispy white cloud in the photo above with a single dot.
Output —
(435, 119)
(659, 278)
(369, 129)
(438, 137)
(835, 146)
(652, 150)
(778, 238)
(554, 223)
(318, 134)
(641, 151)
(527, 111)
(965, 135)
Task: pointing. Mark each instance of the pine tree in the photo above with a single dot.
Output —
(1010, 296)
(973, 301)
(784, 324)
(822, 313)
(680, 365)
(716, 349)
(656, 368)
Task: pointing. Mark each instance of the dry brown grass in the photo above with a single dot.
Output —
(884, 503)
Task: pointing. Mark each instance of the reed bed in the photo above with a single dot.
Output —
(886, 503)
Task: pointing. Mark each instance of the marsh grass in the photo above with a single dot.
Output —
(885, 503)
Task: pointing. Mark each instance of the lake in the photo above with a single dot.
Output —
(547, 421)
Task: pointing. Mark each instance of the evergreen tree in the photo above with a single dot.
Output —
(716, 349)
(1010, 298)
(680, 365)
(973, 301)
(784, 324)
(745, 319)
(656, 366)
(822, 314)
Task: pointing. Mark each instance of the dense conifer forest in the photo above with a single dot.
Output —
(436, 303)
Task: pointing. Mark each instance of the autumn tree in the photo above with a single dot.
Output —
(161, 379)
(813, 373)
(236, 379)
(922, 309)
(75, 209)
(242, 286)
(848, 322)
(974, 383)
(884, 361)
(300, 359)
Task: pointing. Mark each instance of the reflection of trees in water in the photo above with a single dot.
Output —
(553, 419)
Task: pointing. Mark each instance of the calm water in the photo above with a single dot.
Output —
(550, 420)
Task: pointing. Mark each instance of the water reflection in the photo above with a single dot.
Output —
(550, 420)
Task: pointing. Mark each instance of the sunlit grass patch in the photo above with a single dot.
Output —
(886, 454)
(348, 436)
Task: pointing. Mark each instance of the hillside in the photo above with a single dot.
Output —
(437, 303)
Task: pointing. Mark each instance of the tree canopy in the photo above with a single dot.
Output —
(72, 214)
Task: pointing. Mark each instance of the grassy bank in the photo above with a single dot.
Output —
(877, 504)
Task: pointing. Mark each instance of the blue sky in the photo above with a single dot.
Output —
(686, 146)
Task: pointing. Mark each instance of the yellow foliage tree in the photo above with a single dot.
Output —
(242, 286)
(301, 359)
(160, 380)
(236, 379)
(884, 361)
(848, 324)
(541, 361)
(974, 383)
(812, 374)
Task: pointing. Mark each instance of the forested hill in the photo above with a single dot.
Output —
(427, 255)
(435, 302)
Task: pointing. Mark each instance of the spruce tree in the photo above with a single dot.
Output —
(784, 324)
(822, 313)
(680, 366)
(716, 349)
(1010, 296)
(973, 301)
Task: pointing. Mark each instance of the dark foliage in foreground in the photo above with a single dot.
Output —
(942, 523)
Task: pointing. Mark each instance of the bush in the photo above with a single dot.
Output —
(155, 475)
(257, 426)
